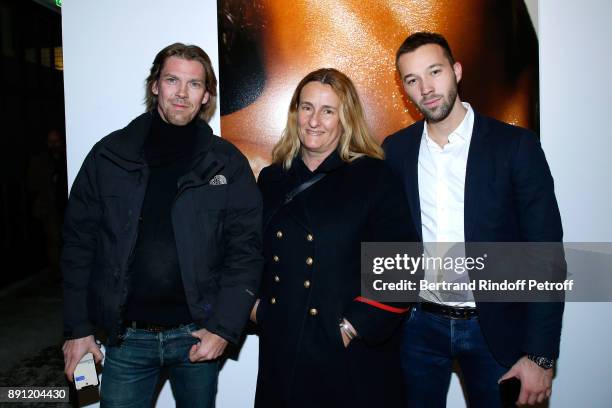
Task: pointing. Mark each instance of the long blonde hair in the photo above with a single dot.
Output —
(355, 141)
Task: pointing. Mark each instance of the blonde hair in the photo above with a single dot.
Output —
(355, 141)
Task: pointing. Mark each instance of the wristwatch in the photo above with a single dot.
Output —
(544, 362)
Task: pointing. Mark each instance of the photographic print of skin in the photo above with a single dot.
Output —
(267, 46)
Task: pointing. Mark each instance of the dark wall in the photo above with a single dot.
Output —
(31, 102)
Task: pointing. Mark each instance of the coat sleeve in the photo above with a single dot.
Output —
(241, 271)
(262, 184)
(389, 220)
(540, 221)
(80, 233)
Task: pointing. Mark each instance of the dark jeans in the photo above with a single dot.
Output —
(430, 345)
(131, 370)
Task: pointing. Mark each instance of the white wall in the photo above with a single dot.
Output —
(532, 9)
(576, 107)
(108, 49)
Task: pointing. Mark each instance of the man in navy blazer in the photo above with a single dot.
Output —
(470, 178)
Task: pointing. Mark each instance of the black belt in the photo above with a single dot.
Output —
(449, 311)
(151, 327)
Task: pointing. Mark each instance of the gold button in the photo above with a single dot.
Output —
(276, 279)
(309, 261)
(306, 284)
(309, 237)
(279, 234)
(276, 258)
(313, 312)
(273, 300)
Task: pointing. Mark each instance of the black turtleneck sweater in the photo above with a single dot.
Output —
(156, 288)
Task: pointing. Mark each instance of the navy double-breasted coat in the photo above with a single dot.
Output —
(312, 280)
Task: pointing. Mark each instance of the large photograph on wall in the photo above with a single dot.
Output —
(267, 46)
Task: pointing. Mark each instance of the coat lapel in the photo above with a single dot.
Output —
(300, 207)
(411, 167)
(316, 205)
(477, 174)
(280, 184)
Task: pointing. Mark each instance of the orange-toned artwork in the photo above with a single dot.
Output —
(267, 46)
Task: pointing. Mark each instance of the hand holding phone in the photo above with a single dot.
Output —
(75, 349)
(85, 374)
(509, 390)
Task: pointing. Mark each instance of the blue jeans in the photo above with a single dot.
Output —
(430, 345)
(132, 370)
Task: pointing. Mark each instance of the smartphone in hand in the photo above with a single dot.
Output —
(509, 391)
(85, 374)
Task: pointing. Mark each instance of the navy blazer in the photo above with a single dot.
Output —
(509, 197)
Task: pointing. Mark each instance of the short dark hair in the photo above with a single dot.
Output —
(190, 53)
(421, 38)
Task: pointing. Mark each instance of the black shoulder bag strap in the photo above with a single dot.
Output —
(294, 192)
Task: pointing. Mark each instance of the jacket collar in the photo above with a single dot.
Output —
(411, 168)
(126, 148)
(280, 175)
(331, 163)
(287, 180)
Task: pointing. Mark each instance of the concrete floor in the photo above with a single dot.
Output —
(31, 321)
(31, 336)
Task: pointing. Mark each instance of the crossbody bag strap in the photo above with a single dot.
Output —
(294, 192)
(305, 185)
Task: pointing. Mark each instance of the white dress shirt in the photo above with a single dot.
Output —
(441, 176)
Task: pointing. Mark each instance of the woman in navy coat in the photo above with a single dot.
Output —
(321, 343)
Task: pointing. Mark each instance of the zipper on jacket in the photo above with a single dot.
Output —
(130, 258)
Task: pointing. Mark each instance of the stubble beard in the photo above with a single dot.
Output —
(178, 118)
(442, 111)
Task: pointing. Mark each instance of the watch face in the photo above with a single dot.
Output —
(543, 362)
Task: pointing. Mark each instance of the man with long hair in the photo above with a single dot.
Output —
(162, 243)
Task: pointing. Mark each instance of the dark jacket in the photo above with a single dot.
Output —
(509, 197)
(312, 279)
(216, 226)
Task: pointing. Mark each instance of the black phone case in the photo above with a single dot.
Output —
(509, 391)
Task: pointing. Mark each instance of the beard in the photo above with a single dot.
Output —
(178, 117)
(440, 112)
(181, 119)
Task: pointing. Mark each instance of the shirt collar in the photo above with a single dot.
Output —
(463, 132)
